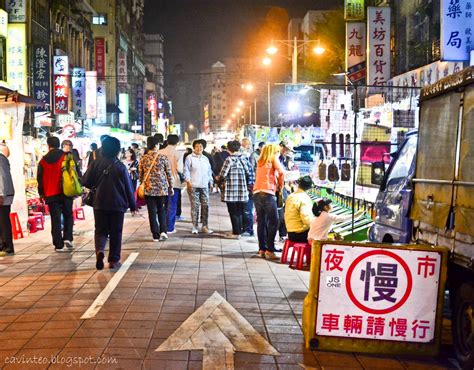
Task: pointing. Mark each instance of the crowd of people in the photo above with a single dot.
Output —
(249, 181)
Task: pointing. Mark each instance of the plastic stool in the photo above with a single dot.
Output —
(32, 223)
(39, 220)
(300, 251)
(286, 249)
(16, 226)
(78, 214)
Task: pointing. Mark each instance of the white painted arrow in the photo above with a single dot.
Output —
(219, 330)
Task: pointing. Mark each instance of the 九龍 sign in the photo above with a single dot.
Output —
(373, 293)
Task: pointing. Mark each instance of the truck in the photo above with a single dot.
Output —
(427, 194)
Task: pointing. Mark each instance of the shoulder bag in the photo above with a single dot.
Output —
(90, 197)
(141, 188)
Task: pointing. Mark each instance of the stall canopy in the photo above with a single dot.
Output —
(314, 120)
(12, 96)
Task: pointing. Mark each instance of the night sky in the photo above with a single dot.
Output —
(199, 32)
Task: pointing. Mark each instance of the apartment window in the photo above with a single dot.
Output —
(219, 116)
(100, 19)
(213, 117)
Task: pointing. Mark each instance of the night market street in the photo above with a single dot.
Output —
(44, 294)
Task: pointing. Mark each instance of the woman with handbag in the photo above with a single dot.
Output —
(237, 176)
(268, 179)
(156, 185)
(111, 195)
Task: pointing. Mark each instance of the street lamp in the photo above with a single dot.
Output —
(297, 46)
(248, 87)
(267, 61)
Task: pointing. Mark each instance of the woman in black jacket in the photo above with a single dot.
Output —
(113, 196)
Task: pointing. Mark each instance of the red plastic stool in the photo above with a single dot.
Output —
(16, 226)
(32, 223)
(302, 251)
(286, 249)
(39, 220)
(78, 214)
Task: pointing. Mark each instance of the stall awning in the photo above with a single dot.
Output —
(12, 96)
(113, 108)
(313, 120)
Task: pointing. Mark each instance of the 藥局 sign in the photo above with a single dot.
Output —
(375, 293)
(378, 40)
(457, 29)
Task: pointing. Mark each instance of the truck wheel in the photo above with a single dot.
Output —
(462, 324)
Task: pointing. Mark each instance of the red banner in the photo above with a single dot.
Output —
(100, 57)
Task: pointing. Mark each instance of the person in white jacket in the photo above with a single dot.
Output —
(322, 223)
(7, 193)
(198, 176)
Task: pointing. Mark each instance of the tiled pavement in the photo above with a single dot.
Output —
(43, 295)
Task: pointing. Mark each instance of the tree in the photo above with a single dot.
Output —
(330, 31)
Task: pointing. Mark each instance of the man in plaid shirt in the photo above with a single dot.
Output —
(238, 177)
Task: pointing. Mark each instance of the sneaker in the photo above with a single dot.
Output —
(60, 250)
(247, 234)
(271, 256)
(261, 253)
(115, 265)
(206, 230)
(99, 265)
(282, 239)
(194, 230)
(180, 218)
(172, 231)
(156, 239)
(68, 244)
(231, 236)
(163, 237)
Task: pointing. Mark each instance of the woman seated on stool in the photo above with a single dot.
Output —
(324, 220)
(298, 213)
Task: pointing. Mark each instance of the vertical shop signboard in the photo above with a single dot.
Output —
(206, 125)
(3, 23)
(99, 44)
(121, 67)
(152, 108)
(457, 29)
(354, 10)
(16, 58)
(378, 34)
(16, 11)
(61, 84)
(356, 51)
(91, 94)
(101, 103)
(41, 75)
(140, 108)
(124, 107)
(78, 82)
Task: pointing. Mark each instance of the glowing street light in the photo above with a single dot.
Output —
(266, 61)
(248, 87)
(191, 126)
(293, 106)
(272, 50)
(233, 115)
(228, 121)
(319, 50)
(237, 110)
(241, 103)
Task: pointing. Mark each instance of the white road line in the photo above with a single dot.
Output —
(107, 291)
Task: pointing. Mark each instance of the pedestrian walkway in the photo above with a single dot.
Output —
(43, 295)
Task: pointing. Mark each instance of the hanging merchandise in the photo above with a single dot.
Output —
(306, 136)
(341, 145)
(346, 172)
(297, 137)
(273, 136)
(348, 153)
(333, 172)
(262, 134)
(317, 133)
(287, 135)
(377, 173)
(333, 146)
(322, 171)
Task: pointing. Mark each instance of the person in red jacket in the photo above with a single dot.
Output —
(50, 189)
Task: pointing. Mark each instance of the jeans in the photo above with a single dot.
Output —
(157, 206)
(56, 209)
(108, 224)
(178, 208)
(236, 212)
(248, 216)
(172, 208)
(267, 220)
(281, 222)
(298, 237)
(199, 198)
(6, 238)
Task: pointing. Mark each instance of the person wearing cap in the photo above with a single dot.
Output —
(322, 223)
(298, 211)
(7, 192)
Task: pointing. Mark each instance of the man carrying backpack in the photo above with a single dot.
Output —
(51, 190)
